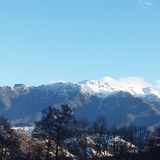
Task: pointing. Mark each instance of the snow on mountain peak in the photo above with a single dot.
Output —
(134, 85)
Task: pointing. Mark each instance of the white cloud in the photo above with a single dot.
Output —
(132, 81)
(158, 83)
(145, 3)
(56, 81)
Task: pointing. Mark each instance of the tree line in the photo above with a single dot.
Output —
(59, 135)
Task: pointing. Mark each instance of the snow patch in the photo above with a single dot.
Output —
(134, 85)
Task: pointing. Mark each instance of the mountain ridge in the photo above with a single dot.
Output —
(134, 85)
(120, 106)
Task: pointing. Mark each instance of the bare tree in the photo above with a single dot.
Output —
(9, 144)
(53, 128)
(101, 136)
(82, 142)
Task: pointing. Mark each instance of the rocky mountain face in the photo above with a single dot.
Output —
(120, 107)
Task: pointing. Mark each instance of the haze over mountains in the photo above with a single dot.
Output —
(125, 101)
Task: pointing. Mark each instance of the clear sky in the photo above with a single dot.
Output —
(73, 40)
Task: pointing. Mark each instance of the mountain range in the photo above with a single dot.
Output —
(125, 101)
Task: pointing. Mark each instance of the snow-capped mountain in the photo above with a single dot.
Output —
(124, 101)
(134, 85)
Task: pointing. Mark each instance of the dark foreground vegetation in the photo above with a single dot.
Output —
(60, 136)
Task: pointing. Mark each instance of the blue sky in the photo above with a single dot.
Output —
(73, 40)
